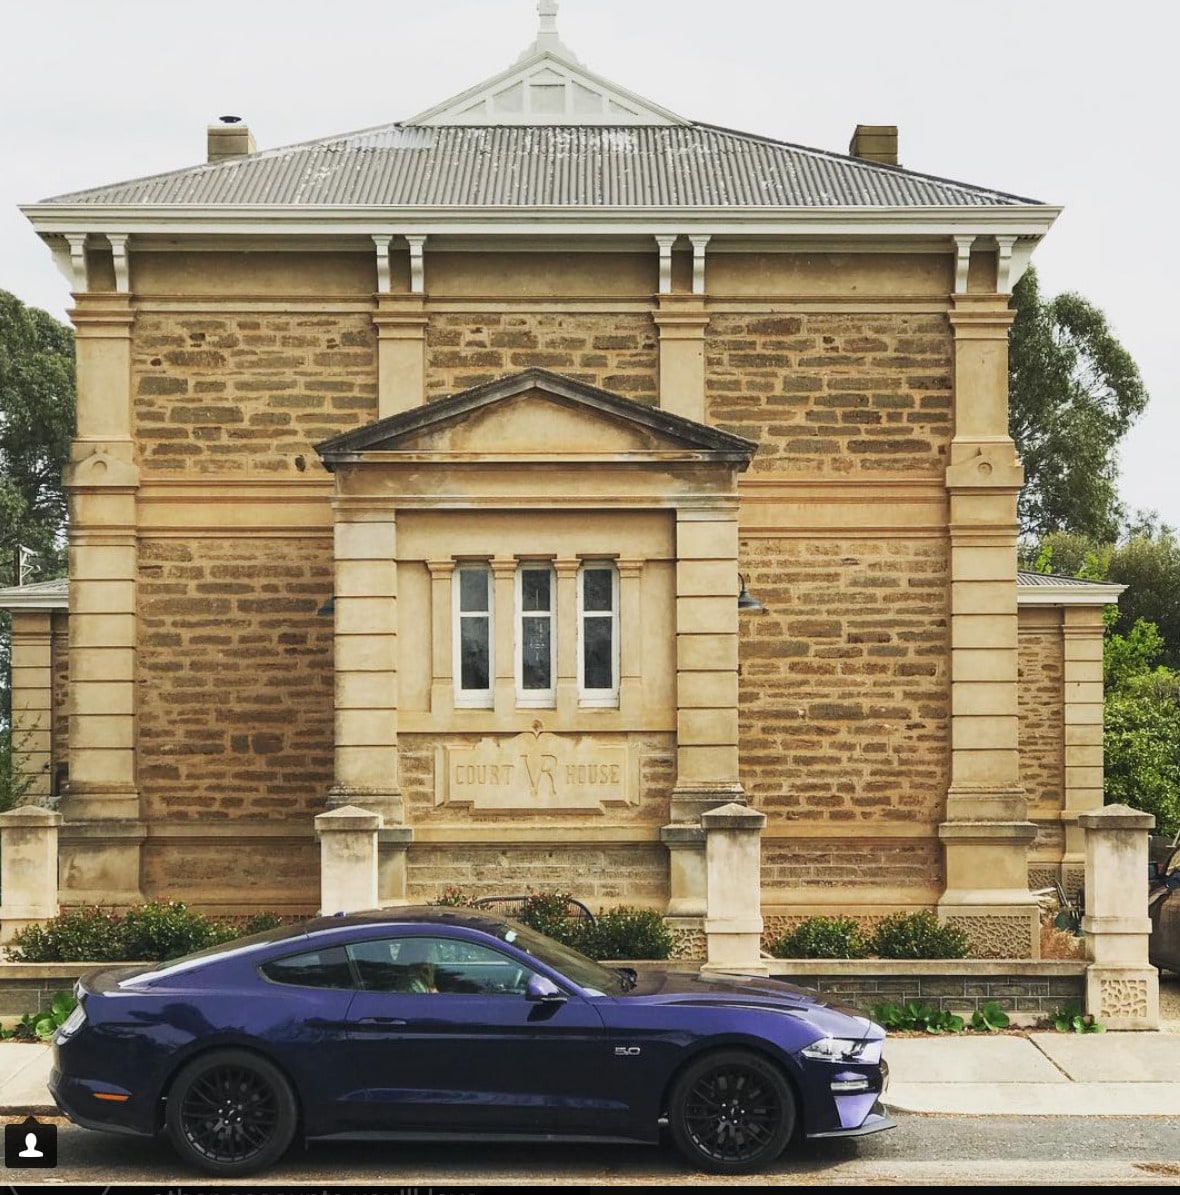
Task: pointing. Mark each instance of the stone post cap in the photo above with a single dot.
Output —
(674, 835)
(733, 817)
(348, 817)
(28, 817)
(1116, 817)
(396, 836)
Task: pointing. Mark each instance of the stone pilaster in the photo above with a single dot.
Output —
(706, 662)
(1082, 631)
(102, 834)
(706, 697)
(366, 642)
(32, 699)
(401, 353)
(681, 321)
(986, 833)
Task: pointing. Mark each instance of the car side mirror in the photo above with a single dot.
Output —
(543, 991)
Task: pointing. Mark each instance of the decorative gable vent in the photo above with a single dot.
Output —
(547, 89)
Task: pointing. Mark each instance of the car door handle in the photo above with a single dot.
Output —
(381, 1021)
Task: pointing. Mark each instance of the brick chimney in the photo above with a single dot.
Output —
(875, 143)
(229, 139)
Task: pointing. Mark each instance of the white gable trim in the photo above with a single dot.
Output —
(547, 88)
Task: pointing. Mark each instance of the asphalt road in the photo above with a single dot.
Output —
(922, 1150)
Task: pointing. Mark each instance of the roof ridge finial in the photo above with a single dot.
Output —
(547, 40)
(547, 30)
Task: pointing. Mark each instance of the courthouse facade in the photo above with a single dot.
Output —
(420, 469)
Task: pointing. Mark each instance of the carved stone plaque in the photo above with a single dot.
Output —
(535, 770)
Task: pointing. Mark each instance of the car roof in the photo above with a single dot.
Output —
(402, 916)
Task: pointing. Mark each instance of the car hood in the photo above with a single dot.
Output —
(748, 991)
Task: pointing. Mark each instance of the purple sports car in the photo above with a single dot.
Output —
(415, 1021)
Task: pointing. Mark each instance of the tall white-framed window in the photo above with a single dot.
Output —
(535, 635)
(473, 619)
(598, 633)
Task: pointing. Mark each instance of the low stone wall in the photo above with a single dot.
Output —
(30, 987)
(956, 985)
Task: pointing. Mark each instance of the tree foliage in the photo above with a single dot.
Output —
(1074, 392)
(36, 423)
(1142, 726)
(1147, 562)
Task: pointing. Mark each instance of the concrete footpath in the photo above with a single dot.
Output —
(1002, 1074)
(1035, 1074)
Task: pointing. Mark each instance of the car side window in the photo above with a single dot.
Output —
(313, 969)
(446, 966)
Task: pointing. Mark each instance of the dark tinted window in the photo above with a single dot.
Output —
(315, 969)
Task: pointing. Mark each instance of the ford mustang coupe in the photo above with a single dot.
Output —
(415, 1021)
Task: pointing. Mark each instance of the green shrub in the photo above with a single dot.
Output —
(85, 934)
(260, 923)
(163, 930)
(152, 932)
(822, 937)
(454, 897)
(623, 933)
(548, 913)
(918, 935)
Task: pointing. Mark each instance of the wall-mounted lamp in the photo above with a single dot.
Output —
(746, 600)
(328, 609)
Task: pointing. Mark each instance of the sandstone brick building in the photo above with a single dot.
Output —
(419, 469)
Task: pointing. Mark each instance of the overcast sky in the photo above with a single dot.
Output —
(1072, 102)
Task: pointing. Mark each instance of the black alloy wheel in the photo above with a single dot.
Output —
(230, 1112)
(731, 1112)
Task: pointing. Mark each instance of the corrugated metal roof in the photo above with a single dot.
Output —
(1048, 581)
(545, 166)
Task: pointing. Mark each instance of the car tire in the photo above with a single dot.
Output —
(230, 1113)
(731, 1112)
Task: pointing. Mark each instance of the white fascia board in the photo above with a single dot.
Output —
(1032, 220)
(13, 600)
(1069, 595)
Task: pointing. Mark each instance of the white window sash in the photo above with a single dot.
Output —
(604, 698)
(535, 698)
(472, 698)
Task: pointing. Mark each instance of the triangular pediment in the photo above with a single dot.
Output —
(541, 416)
(546, 88)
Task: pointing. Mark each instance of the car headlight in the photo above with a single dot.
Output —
(843, 1049)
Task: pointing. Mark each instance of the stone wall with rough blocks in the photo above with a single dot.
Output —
(792, 865)
(248, 394)
(833, 395)
(239, 872)
(235, 671)
(844, 687)
(1042, 711)
(613, 350)
(599, 874)
(61, 688)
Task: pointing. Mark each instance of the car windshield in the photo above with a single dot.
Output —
(585, 972)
